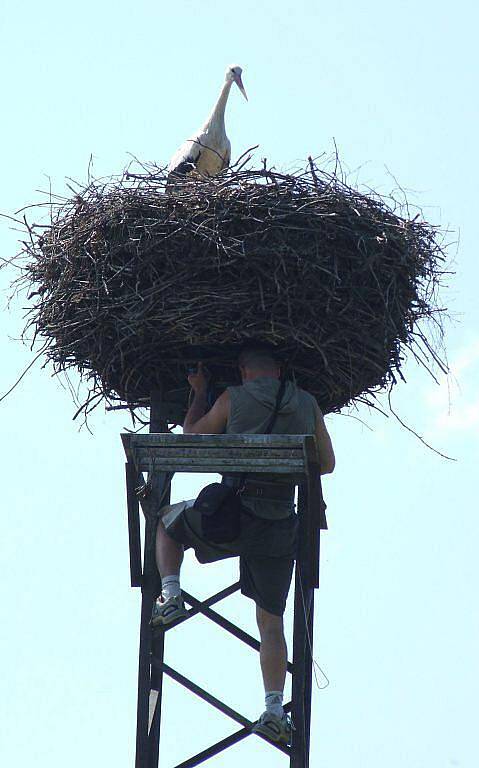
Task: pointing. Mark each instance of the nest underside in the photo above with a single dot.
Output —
(132, 283)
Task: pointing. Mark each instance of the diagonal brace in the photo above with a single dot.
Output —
(240, 634)
(222, 707)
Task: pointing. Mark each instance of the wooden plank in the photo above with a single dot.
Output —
(158, 460)
(283, 454)
(223, 463)
(295, 473)
(162, 438)
(280, 441)
(218, 453)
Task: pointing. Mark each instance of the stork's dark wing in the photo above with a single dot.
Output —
(183, 161)
(183, 168)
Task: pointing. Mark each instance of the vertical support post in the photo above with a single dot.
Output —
(302, 640)
(150, 680)
(311, 520)
(308, 652)
(134, 536)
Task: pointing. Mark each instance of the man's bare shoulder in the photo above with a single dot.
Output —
(223, 399)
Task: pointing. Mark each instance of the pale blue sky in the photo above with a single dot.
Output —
(396, 623)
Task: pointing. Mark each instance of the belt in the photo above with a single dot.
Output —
(262, 490)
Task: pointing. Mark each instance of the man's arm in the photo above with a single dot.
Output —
(197, 422)
(327, 459)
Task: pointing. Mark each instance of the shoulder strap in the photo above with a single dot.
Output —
(269, 426)
(277, 406)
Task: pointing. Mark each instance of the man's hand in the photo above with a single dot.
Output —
(196, 421)
(198, 381)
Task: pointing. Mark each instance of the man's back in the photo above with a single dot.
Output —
(253, 402)
(251, 406)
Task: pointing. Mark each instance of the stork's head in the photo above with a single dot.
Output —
(233, 75)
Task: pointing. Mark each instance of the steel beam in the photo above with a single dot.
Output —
(150, 682)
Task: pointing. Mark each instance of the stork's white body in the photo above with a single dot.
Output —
(208, 151)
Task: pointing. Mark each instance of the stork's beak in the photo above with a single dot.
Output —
(240, 85)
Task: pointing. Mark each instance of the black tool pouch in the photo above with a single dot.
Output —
(220, 507)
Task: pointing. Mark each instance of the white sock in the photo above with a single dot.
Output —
(274, 703)
(170, 586)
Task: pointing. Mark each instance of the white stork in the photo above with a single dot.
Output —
(209, 150)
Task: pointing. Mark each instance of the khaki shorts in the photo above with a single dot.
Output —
(266, 550)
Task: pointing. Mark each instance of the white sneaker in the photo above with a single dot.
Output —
(275, 728)
(166, 611)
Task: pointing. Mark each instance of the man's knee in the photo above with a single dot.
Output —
(268, 623)
(163, 537)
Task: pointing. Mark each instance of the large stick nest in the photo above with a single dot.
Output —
(133, 283)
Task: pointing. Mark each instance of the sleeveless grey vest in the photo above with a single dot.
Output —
(253, 403)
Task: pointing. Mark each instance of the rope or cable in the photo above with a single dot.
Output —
(306, 616)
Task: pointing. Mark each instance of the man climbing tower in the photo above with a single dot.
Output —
(266, 542)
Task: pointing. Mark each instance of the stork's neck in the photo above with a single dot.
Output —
(217, 116)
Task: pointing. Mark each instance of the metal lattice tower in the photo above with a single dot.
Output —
(160, 454)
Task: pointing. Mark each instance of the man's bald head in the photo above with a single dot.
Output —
(258, 360)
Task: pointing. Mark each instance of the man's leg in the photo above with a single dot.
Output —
(273, 723)
(169, 554)
(169, 557)
(273, 652)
